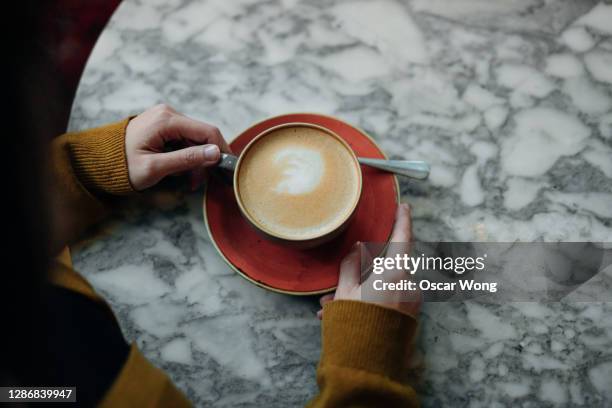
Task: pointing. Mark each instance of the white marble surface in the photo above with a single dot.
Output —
(511, 102)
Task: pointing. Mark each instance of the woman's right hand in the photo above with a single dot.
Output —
(349, 282)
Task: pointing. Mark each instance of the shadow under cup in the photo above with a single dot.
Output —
(279, 162)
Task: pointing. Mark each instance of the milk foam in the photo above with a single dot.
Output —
(298, 182)
(302, 170)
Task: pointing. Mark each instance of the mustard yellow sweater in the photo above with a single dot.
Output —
(365, 347)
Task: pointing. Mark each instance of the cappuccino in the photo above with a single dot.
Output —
(298, 182)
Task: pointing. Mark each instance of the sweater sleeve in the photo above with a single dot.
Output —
(87, 168)
(364, 357)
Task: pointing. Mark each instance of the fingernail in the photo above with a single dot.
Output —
(211, 152)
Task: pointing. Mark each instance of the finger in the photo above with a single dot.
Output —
(198, 175)
(400, 243)
(350, 269)
(367, 257)
(189, 158)
(326, 298)
(196, 132)
(320, 314)
(401, 236)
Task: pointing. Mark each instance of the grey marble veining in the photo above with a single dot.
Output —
(510, 101)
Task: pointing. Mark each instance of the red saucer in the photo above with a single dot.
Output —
(300, 272)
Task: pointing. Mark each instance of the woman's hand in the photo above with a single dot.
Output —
(349, 285)
(150, 135)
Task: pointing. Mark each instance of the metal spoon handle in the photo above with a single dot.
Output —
(415, 169)
(411, 168)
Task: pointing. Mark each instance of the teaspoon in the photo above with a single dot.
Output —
(415, 169)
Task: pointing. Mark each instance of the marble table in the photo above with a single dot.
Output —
(510, 101)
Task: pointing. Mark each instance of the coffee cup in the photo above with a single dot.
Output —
(297, 183)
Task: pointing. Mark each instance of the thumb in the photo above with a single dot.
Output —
(186, 159)
(350, 269)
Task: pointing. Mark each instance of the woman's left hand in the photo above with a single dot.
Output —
(148, 137)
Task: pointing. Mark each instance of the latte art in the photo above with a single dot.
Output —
(301, 170)
(298, 182)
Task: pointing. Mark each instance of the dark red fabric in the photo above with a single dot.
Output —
(68, 31)
(294, 270)
(71, 30)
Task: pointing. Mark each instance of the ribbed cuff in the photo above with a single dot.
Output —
(368, 337)
(99, 160)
